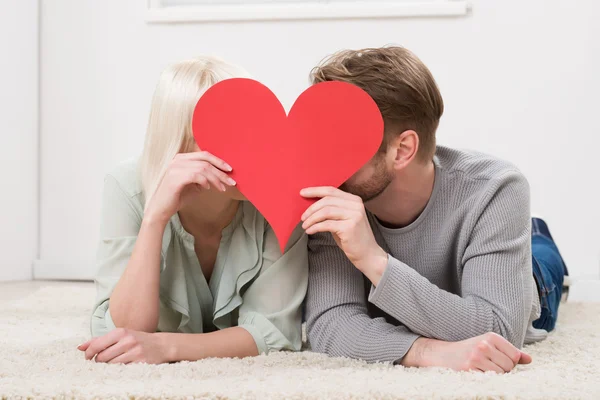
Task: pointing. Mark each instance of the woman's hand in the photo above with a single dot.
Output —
(124, 346)
(187, 172)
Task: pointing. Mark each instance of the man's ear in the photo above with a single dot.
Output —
(405, 147)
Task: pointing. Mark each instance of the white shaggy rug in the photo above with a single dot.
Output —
(38, 359)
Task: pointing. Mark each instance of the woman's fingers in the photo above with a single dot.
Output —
(124, 358)
(199, 179)
(112, 352)
(84, 346)
(205, 175)
(205, 156)
(204, 167)
(103, 342)
(207, 179)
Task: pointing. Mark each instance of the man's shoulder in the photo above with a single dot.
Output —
(473, 165)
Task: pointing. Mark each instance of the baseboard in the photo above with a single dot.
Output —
(44, 270)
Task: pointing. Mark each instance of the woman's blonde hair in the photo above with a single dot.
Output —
(170, 124)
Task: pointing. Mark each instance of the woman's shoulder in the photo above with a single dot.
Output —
(127, 176)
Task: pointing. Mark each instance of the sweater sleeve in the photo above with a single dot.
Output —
(338, 323)
(496, 275)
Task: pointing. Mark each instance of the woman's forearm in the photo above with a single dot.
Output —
(134, 303)
(230, 342)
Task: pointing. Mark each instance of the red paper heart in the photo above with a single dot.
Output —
(332, 130)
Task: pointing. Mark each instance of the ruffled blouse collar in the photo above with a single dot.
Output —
(238, 262)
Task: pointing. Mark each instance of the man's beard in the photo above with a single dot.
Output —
(374, 186)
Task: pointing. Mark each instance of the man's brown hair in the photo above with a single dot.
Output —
(401, 85)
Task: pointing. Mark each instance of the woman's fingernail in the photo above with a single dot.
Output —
(228, 167)
(231, 182)
(223, 188)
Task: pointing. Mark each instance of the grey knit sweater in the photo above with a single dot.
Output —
(462, 269)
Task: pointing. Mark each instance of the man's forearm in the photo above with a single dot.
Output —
(374, 265)
(433, 312)
(419, 355)
(230, 342)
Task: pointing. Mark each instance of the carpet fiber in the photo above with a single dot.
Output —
(39, 333)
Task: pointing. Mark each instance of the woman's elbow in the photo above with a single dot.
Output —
(132, 320)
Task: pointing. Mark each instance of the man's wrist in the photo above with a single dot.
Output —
(416, 356)
(374, 265)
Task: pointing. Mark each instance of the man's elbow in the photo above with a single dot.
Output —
(318, 337)
(513, 332)
(331, 343)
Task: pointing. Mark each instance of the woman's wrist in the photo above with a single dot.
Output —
(168, 346)
(155, 220)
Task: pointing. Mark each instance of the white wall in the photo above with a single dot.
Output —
(18, 138)
(520, 80)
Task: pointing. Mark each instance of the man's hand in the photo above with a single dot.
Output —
(489, 352)
(343, 215)
(124, 346)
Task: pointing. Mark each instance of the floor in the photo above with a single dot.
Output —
(17, 290)
(41, 323)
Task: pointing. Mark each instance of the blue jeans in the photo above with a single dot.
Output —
(549, 271)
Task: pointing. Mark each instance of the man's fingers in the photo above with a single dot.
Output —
(325, 226)
(505, 347)
(324, 191)
(525, 358)
(501, 359)
(488, 365)
(516, 356)
(329, 202)
(326, 213)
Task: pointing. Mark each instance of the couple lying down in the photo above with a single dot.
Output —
(427, 256)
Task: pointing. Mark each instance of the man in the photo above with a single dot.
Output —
(424, 256)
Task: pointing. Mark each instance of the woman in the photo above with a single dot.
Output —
(187, 268)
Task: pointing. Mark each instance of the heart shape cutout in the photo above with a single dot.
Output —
(332, 130)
